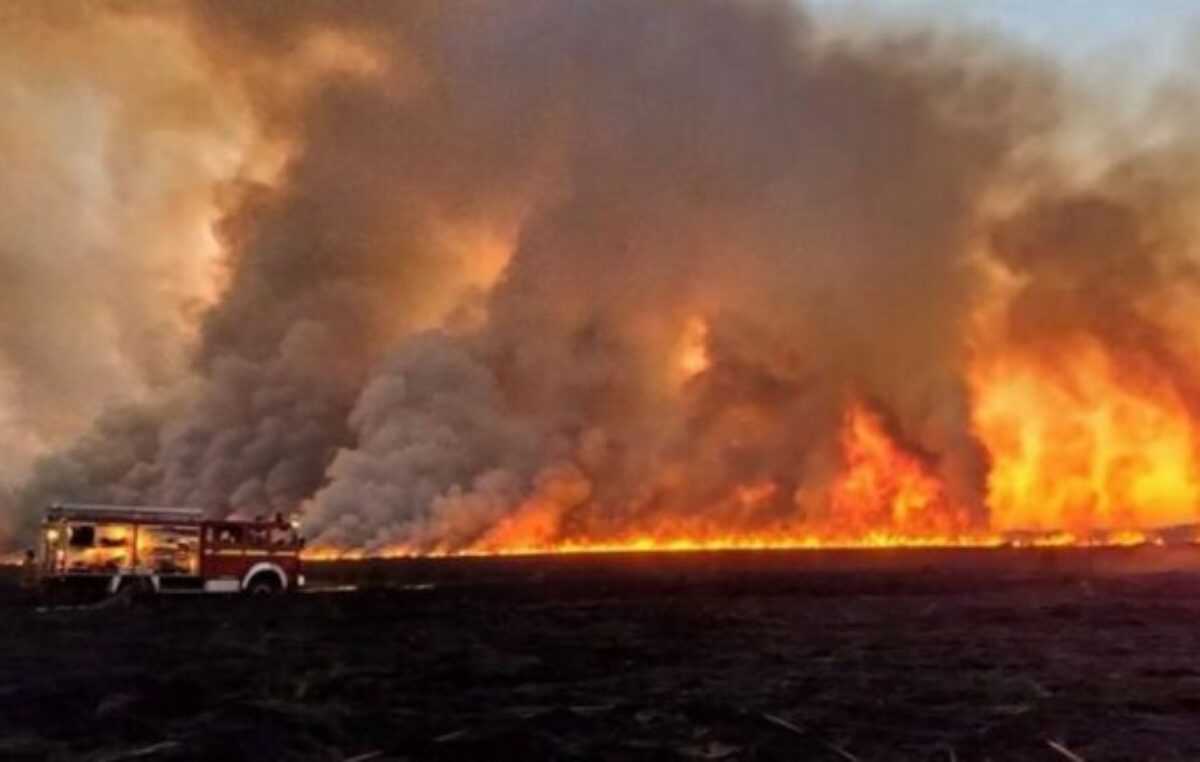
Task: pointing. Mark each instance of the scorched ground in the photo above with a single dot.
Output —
(915, 654)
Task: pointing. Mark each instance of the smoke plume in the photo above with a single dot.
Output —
(106, 254)
(526, 273)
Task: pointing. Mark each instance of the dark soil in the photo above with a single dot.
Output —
(920, 655)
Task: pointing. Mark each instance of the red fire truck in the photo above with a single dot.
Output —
(109, 549)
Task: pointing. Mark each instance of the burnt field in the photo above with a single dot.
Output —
(939, 655)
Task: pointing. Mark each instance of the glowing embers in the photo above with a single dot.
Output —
(1079, 449)
(886, 489)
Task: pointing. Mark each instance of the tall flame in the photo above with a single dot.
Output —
(1077, 456)
(885, 487)
(1079, 450)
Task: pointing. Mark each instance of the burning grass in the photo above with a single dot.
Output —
(1119, 539)
(886, 496)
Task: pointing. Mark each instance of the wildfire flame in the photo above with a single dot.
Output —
(1081, 450)
(889, 496)
(884, 486)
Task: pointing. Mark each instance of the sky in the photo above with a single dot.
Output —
(1145, 33)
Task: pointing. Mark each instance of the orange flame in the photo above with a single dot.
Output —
(883, 486)
(1078, 456)
(885, 498)
(1079, 450)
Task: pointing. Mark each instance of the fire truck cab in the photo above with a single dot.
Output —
(108, 549)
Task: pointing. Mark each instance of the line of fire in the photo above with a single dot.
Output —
(1105, 476)
(884, 496)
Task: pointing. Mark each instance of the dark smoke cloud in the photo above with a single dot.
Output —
(1103, 266)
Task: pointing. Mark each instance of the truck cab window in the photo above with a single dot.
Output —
(283, 537)
(257, 537)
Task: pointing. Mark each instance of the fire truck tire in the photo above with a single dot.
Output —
(263, 583)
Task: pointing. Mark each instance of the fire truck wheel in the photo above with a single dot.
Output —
(263, 583)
